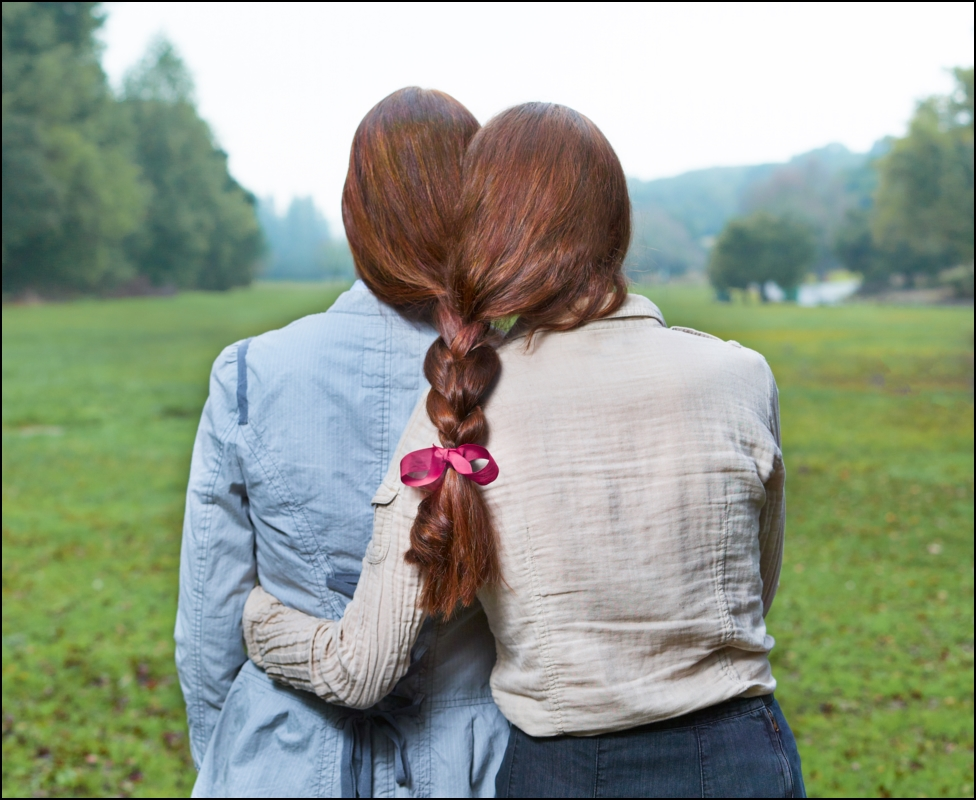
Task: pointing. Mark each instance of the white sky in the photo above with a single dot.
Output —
(674, 87)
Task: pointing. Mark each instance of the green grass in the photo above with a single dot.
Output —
(874, 619)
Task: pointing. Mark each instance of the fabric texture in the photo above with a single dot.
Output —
(739, 748)
(295, 438)
(640, 513)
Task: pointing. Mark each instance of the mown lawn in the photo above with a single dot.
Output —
(874, 620)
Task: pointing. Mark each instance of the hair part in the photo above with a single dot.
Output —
(400, 198)
(543, 229)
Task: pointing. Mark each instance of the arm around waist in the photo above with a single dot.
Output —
(357, 660)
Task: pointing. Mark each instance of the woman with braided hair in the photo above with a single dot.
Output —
(610, 489)
(294, 440)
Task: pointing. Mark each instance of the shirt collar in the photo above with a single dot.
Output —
(636, 305)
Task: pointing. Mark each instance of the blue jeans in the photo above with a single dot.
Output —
(739, 748)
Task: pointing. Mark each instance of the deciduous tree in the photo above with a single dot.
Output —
(761, 248)
(924, 202)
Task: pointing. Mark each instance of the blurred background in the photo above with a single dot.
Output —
(802, 181)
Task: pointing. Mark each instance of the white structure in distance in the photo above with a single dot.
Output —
(828, 293)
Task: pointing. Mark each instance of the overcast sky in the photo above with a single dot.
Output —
(675, 87)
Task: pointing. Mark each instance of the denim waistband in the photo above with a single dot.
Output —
(736, 707)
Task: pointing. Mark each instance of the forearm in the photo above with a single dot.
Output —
(355, 661)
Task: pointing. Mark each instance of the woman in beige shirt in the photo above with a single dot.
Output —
(624, 527)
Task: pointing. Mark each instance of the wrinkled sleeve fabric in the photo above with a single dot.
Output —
(357, 660)
(772, 518)
(217, 560)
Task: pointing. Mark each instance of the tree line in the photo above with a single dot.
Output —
(100, 190)
(300, 244)
(906, 214)
(676, 220)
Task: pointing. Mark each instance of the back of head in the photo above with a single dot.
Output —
(400, 198)
(543, 230)
(545, 220)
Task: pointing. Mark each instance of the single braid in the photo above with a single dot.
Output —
(453, 539)
(543, 225)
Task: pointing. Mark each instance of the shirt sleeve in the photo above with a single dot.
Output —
(772, 518)
(217, 561)
(357, 660)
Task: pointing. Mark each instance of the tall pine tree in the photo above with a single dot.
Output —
(71, 192)
(201, 227)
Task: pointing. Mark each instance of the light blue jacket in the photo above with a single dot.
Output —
(295, 439)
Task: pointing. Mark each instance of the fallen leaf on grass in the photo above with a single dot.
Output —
(173, 739)
(41, 430)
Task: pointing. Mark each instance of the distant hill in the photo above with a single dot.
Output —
(676, 218)
(703, 200)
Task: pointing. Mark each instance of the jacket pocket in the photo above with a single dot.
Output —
(384, 513)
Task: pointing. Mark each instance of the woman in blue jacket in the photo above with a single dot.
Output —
(295, 439)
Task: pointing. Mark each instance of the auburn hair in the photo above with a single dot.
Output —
(543, 228)
(400, 199)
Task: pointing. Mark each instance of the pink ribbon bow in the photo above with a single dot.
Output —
(434, 460)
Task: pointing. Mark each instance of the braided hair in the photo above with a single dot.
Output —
(543, 229)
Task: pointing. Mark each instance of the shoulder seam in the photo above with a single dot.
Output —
(693, 332)
(242, 407)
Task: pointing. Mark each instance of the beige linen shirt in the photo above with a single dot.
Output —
(639, 510)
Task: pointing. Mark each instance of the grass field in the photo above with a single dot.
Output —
(874, 619)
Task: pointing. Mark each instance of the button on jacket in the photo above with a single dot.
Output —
(296, 436)
(639, 511)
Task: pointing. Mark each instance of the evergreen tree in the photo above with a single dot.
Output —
(300, 246)
(70, 192)
(201, 227)
(295, 240)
